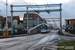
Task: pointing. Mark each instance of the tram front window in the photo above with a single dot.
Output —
(43, 27)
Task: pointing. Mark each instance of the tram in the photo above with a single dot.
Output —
(45, 28)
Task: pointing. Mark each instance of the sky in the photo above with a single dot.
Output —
(68, 8)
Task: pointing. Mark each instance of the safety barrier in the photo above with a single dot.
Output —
(35, 29)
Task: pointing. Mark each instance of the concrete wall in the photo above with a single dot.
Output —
(35, 29)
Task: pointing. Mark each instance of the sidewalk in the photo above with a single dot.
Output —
(13, 36)
(66, 33)
(19, 35)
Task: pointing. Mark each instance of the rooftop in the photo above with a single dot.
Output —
(69, 19)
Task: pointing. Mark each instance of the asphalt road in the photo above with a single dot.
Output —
(31, 42)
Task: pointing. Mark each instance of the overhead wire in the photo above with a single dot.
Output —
(34, 2)
(38, 9)
(46, 7)
(49, 8)
(27, 4)
(50, 14)
(32, 8)
(44, 2)
(47, 1)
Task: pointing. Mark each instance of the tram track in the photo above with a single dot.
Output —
(43, 46)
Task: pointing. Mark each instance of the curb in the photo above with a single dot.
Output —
(61, 33)
(70, 35)
(11, 36)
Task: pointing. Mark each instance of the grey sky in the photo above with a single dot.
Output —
(67, 6)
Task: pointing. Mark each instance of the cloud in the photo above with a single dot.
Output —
(10, 1)
(58, 1)
(68, 7)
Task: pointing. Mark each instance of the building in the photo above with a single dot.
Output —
(16, 20)
(1, 18)
(33, 20)
(70, 22)
(20, 25)
(21, 21)
(9, 18)
(4, 19)
(1, 21)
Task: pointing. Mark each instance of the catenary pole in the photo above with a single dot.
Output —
(6, 13)
(60, 18)
(11, 19)
(27, 20)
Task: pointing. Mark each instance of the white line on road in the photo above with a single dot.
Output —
(43, 45)
(46, 42)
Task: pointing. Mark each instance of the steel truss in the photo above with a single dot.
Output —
(37, 11)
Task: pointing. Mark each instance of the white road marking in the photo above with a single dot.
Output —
(52, 42)
(59, 39)
(42, 45)
(49, 48)
(35, 47)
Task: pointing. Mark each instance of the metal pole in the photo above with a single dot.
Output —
(6, 13)
(11, 19)
(0, 12)
(27, 20)
(33, 20)
(60, 18)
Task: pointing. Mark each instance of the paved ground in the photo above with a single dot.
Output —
(66, 33)
(34, 42)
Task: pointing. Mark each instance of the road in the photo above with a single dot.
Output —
(31, 42)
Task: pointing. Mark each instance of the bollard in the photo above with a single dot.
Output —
(68, 32)
(6, 32)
